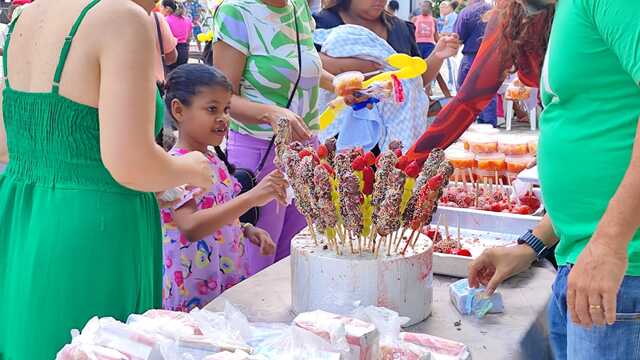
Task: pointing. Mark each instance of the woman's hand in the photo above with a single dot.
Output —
(594, 282)
(197, 169)
(273, 186)
(495, 265)
(447, 46)
(299, 130)
(260, 238)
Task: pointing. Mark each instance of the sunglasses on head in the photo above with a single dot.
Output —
(536, 6)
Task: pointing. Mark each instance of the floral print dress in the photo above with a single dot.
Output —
(194, 273)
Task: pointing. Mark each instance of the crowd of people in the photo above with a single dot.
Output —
(88, 231)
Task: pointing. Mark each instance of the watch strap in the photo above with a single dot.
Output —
(535, 243)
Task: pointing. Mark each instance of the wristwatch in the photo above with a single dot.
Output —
(535, 243)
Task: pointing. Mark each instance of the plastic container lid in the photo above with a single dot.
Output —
(513, 145)
(348, 81)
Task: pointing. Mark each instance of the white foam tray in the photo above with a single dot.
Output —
(492, 229)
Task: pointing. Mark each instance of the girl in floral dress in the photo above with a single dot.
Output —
(204, 242)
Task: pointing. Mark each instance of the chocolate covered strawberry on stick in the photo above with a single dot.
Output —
(350, 197)
(327, 212)
(427, 202)
(386, 165)
(304, 202)
(281, 141)
(389, 213)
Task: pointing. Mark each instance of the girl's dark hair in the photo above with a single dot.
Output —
(183, 84)
(394, 5)
(454, 5)
(171, 4)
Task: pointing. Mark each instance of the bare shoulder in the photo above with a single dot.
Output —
(122, 21)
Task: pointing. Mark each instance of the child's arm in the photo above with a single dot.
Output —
(197, 224)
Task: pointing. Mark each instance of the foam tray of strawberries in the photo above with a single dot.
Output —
(479, 230)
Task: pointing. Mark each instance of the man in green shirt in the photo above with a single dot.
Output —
(589, 162)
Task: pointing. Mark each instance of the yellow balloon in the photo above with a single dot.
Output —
(205, 37)
(408, 68)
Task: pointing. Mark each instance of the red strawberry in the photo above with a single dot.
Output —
(368, 176)
(402, 163)
(359, 150)
(304, 153)
(359, 163)
(323, 152)
(328, 168)
(530, 200)
(370, 158)
(413, 170)
(462, 252)
(521, 210)
(316, 159)
(496, 207)
(398, 152)
(435, 182)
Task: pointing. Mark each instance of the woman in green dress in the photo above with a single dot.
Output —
(80, 233)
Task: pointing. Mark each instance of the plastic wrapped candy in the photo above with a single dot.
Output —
(440, 349)
(109, 339)
(361, 337)
(474, 301)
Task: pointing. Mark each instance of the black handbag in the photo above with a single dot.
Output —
(248, 178)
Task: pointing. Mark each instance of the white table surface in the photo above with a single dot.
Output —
(519, 333)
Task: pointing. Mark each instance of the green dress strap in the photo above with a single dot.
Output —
(67, 45)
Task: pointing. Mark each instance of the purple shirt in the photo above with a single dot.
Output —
(470, 26)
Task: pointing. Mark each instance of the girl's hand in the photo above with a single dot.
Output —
(594, 282)
(447, 46)
(273, 186)
(197, 169)
(496, 265)
(261, 238)
(298, 129)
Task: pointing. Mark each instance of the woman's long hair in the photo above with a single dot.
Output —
(524, 34)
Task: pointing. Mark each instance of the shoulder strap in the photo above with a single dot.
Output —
(293, 90)
(160, 42)
(67, 45)
(5, 52)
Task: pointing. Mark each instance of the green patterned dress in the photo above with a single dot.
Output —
(73, 242)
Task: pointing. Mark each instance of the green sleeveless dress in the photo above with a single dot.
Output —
(73, 242)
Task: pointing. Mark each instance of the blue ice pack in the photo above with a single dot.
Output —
(474, 301)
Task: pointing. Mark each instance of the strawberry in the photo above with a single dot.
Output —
(462, 252)
(530, 200)
(522, 210)
(368, 176)
(304, 153)
(359, 163)
(359, 150)
(412, 170)
(323, 151)
(316, 159)
(402, 163)
(398, 152)
(328, 168)
(435, 182)
(370, 158)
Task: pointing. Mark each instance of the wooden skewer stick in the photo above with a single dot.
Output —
(464, 181)
(312, 231)
(415, 241)
(404, 231)
(388, 239)
(446, 228)
(496, 175)
(380, 241)
(408, 242)
(458, 238)
(515, 193)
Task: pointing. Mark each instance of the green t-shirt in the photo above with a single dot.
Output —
(591, 93)
(267, 36)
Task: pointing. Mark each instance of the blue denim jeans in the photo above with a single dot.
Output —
(620, 341)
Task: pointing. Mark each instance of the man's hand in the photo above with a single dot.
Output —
(594, 282)
(496, 265)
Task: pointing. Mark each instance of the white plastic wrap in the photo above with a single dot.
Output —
(109, 339)
(357, 339)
